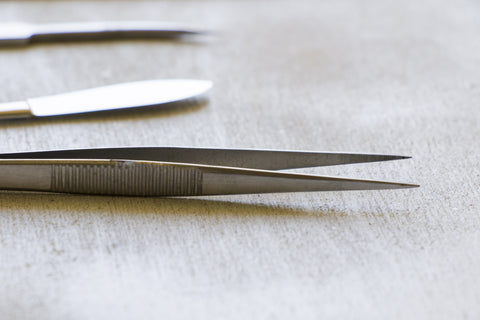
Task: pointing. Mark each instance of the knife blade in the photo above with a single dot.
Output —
(20, 34)
(118, 96)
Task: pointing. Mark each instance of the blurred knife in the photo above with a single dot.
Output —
(18, 34)
(119, 96)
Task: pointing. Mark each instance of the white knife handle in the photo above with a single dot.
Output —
(15, 110)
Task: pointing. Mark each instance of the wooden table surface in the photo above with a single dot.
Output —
(377, 76)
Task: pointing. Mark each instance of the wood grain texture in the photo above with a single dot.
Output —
(377, 76)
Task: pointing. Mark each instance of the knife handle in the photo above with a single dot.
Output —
(15, 110)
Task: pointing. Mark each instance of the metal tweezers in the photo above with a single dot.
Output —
(179, 171)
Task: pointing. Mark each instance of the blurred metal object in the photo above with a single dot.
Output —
(20, 34)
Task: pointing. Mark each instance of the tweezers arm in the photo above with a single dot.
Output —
(25, 177)
(100, 177)
(15, 110)
(150, 178)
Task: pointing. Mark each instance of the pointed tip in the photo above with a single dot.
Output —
(407, 185)
(197, 32)
(191, 87)
(400, 185)
(372, 184)
(207, 84)
(202, 86)
(401, 157)
(392, 185)
(375, 157)
(351, 158)
(220, 180)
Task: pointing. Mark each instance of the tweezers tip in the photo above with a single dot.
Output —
(394, 157)
(406, 185)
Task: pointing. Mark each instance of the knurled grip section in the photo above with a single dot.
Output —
(127, 178)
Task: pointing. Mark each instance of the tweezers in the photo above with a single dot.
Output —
(173, 171)
(20, 34)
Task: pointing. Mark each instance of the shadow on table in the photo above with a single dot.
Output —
(141, 206)
(139, 113)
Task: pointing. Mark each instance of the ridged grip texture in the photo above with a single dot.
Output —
(127, 178)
